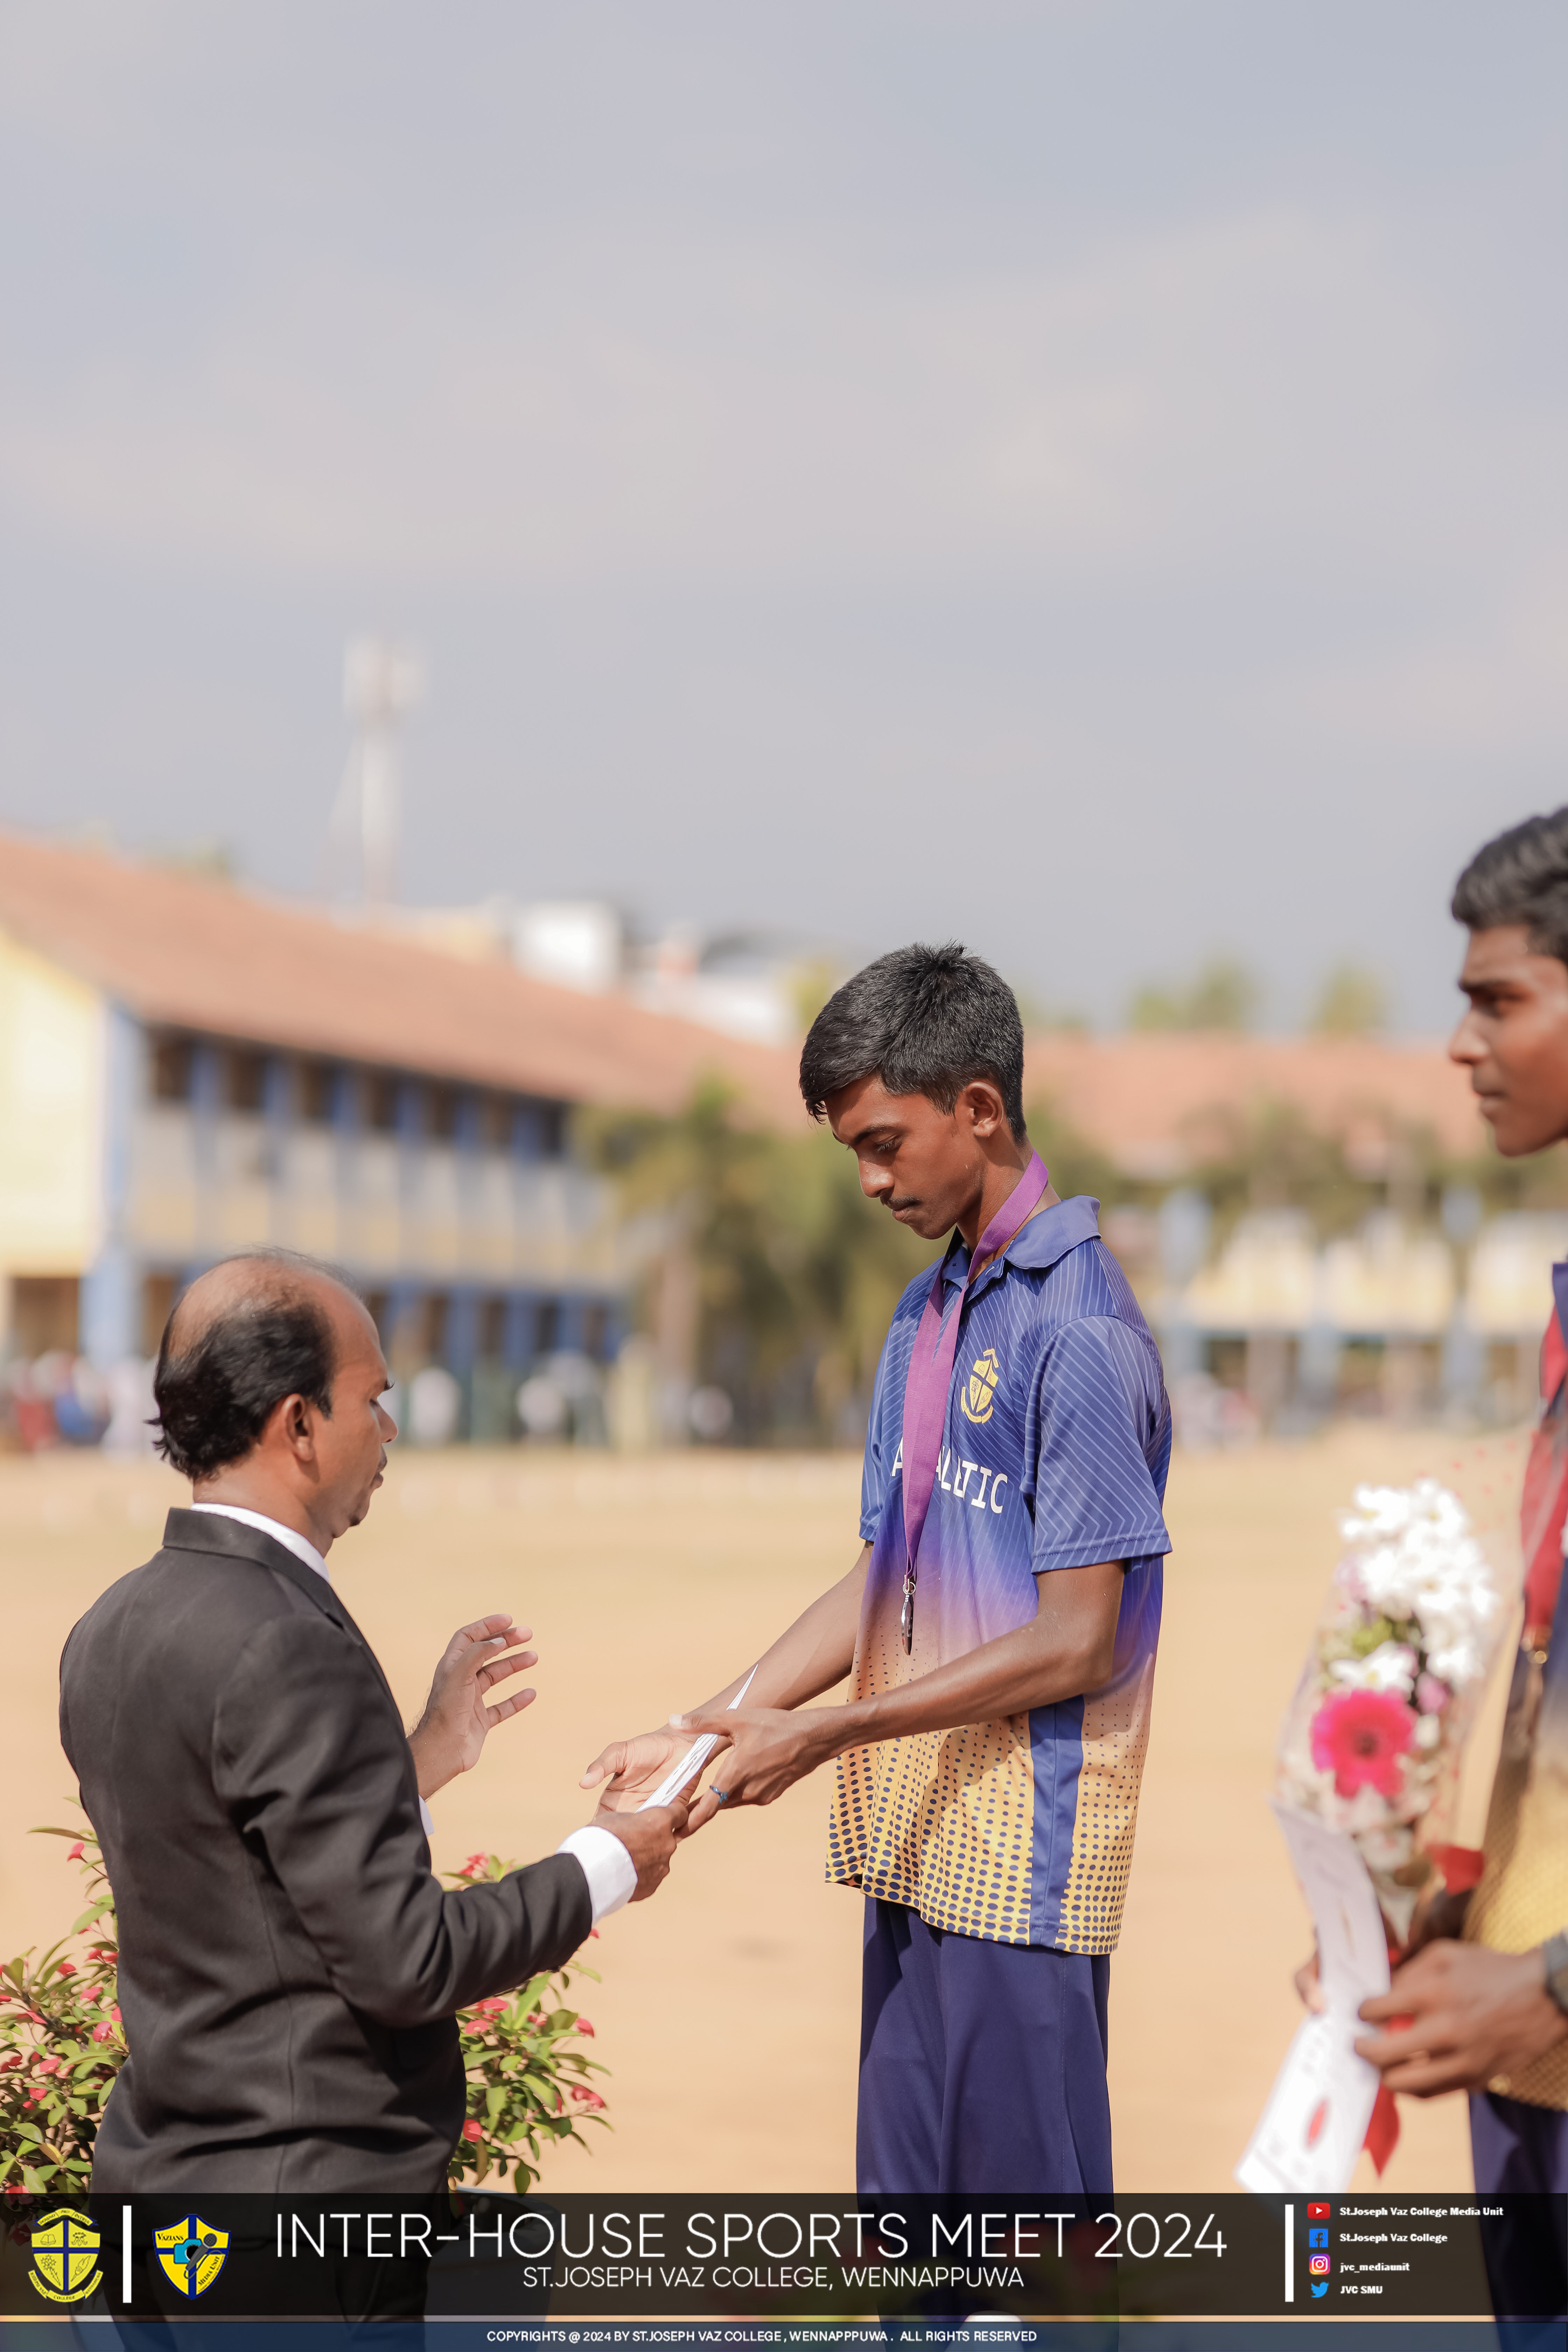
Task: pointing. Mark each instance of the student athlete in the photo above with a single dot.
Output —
(1490, 2015)
(999, 1625)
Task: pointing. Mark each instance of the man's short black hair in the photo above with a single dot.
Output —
(214, 1397)
(1520, 877)
(926, 1021)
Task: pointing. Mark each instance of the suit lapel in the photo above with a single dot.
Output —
(225, 1538)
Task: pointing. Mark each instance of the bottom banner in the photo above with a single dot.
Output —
(651, 2272)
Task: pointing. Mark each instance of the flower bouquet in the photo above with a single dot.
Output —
(1373, 1738)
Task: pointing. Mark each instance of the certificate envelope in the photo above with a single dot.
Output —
(1312, 2130)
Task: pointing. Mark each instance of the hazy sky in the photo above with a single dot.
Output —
(1085, 478)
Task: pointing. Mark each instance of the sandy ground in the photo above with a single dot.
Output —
(729, 2007)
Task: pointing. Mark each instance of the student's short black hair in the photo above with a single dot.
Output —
(213, 1396)
(1520, 877)
(927, 1021)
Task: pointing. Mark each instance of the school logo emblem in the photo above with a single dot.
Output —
(65, 2256)
(192, 2253)
(980, 1389)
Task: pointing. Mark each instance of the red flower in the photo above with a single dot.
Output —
(1360, 1737)
(75, 1853)
(67, 1969)
(584, 2097)
(49, 2066)
(102, 2033)
(472, 2130)
(475, 1861)
(584, 2027)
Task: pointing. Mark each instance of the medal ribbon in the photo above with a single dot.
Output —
(931, 1371)
(1545, 1502)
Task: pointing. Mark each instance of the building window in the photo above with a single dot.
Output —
(376, 1306)
(493, 1328)
(171, 1069)
(247, 1087)
(551, 1130)
(546, 1326)
(44, 1309)
(441, 1112)
(381, 1092)
(495, 1122)
(596, 1330)
(159, 1292)
(317, 1087)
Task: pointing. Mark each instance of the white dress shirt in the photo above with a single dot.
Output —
(606, 1866)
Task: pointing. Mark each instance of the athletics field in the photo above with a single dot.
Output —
(728, 2012)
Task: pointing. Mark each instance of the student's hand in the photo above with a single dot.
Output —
(649, 1838)
(631, 1770)
(770, 1748)
(449, 1737)
(1467, 2020)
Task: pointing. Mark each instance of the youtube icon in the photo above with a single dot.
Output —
(1318, 2210)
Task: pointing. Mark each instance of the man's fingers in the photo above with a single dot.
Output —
(702, 1811)
(516, 1661)
(504, 1708)
(486, 1628)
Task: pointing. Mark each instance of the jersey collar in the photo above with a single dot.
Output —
(1038, 1245)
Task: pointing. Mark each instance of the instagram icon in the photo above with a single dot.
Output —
(1318, 2265)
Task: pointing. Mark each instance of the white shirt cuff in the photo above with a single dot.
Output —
(427, 1819)
(607, 1866)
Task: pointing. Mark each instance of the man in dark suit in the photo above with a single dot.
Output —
(290, 1969)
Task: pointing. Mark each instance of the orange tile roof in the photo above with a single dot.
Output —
(199, 955)
(1142, 1098)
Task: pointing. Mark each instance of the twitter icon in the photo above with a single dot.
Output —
(1320, 2286)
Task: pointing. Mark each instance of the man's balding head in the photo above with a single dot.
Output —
(247, 1334)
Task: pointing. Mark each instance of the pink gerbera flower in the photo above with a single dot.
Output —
(1360, 1737)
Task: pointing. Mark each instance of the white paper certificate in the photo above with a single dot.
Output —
(686, 1768)
(1312, 2130)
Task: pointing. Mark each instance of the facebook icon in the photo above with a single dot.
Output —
(1317, 2237)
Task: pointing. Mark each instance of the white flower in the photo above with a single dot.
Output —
(1429, 1731)
(1392, 1667)
(1415, 1557)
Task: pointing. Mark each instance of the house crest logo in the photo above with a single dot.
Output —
(980, 1389)
(65, 2255)
(192, 2253)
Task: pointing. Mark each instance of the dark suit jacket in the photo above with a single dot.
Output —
(289, 1966)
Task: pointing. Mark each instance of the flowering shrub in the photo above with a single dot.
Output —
(526, 2085)
(62, 2044)
(1375, 1730)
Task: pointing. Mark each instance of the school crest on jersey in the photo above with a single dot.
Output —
(980, 1389)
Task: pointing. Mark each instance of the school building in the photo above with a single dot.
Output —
(186, 1070)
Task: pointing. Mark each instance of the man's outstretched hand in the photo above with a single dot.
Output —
(627, 1771)
(649, 1838)
(450, 1735)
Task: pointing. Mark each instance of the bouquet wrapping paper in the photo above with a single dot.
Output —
(1374, 1735)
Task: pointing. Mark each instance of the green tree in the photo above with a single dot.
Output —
(790, 1272)
(1353, 1004)
(1224, 995)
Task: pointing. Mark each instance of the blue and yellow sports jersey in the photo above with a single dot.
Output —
(1057, 1443)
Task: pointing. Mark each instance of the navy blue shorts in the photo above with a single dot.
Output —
(982, 2064)
(1518, 2147)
